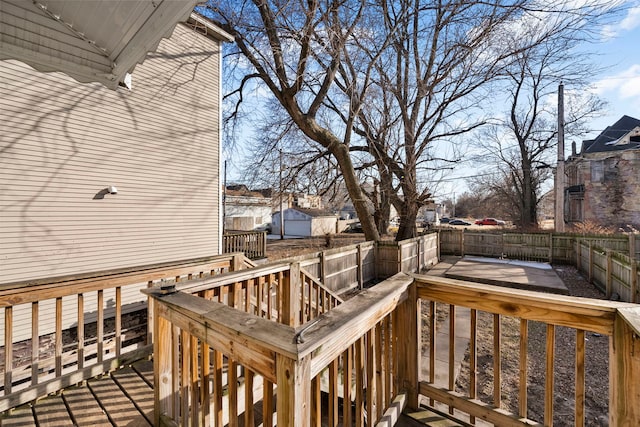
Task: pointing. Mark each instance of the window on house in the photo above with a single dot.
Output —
(597, 171)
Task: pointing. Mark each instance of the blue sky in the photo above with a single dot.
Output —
(617, 53)
(619, 85)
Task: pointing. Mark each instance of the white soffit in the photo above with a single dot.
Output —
(90, 40)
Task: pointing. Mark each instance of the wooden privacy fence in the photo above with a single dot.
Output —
(494, 308)
(42, 353)
(544, 247)
(612, 271)
(215, 361)
(252, 243)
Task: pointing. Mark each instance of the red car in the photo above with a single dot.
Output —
(489, 221)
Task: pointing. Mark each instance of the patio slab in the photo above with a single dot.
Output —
(533, 276)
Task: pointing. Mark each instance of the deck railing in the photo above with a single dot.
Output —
(59, 332)
(618, 321)
(352, 352)
(365, 351)
(252, 243)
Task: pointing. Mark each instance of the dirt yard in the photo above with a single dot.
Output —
(596, 364)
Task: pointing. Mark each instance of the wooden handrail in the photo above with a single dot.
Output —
(40, 373)
(620, 321)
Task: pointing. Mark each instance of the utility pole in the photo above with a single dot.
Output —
(281, 210)
(224, 199)
(559, 181)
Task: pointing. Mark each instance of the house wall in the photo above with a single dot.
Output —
(62, 143)
(323, 225)
(246, 213)
(611, 187)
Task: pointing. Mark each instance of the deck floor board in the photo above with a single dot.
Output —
(19, 417)
(51, 411)
(121, 411)
(137, 390)
(84, 408)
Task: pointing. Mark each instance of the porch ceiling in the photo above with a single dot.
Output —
(91, 41)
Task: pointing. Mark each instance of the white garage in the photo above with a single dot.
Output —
(305, 222)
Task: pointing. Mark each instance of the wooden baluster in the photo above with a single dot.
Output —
(333, 393)
(218, 361)
(35, 342)
(360, 382)
(249, 415)
(267, 403)
(100, 326)
(80, 330)
(347, 372)
(207, 379)
(473, 358)
(497, 362)
(58, 344)
(185, 377)
(8, 349)
(232, 382)
(316, 402)
(195, 381)
(549, 380)
(372, 414)
(118, 321)
(379, 368)
(580, 377)
(522, 397)
(432, 345)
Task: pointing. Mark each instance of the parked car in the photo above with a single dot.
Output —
(458, 222)
(444, 220)
(354, 227)
(489, 221)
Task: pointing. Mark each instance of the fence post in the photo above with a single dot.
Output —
(634, 268)
(609, 272)
(578, 251)
(590, 262)
(624, 361)
(294, 391)
(550, 248)
(462, 242)
(321, 267)
(359, 261)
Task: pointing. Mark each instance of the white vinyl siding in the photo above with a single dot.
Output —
(62, 143)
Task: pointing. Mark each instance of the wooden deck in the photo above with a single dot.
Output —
(123, 398)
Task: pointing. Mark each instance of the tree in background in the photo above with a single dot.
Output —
(377, 84)
(523, 142)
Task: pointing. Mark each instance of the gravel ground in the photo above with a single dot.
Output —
(596, 364)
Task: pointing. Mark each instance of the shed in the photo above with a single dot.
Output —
(305, 222)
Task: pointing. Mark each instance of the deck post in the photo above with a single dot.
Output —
(624, 387)
(408, 332)
(291, 296)
(162, 381)
(293, 403)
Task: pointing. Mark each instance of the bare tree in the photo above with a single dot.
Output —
(523, 142)
(376, 83)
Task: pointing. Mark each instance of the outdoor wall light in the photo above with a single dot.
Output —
(112, 189)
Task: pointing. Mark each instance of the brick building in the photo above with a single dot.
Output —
(603, 180)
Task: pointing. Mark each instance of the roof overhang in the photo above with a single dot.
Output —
(91, 41)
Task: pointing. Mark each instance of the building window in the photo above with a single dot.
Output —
(597, 171)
